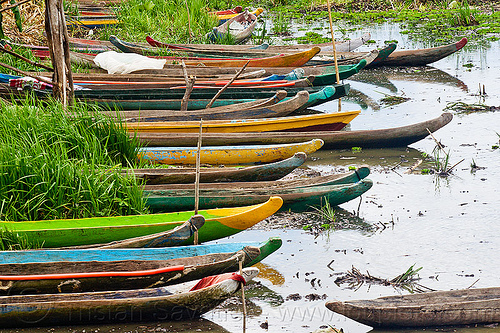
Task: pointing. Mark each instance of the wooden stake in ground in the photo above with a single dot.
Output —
(337, 75)
(227, 85)
(189, 21)
(58, 42)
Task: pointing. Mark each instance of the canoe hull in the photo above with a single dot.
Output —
(154, 304)
(382, 138)
(297, 198)
(218, 223)
(228, 155)
(441, 308)
(263, 172)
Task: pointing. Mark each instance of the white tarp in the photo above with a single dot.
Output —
(124, 63)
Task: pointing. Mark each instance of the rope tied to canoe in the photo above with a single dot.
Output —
(309, 83)
(194, 231)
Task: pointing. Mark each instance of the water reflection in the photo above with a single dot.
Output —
(196, 325)
(456, 329)
(385, 77)
(270, 274)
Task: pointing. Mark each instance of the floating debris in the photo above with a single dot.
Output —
(406, 281)
(461, 107)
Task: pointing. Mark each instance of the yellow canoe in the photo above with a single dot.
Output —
(315, 122)
(228, 154)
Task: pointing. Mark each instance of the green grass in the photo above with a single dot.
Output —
(165, 20)
(54, 165)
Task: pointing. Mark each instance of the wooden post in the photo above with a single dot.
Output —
(197, 179)
(227, 85)
(243, 298)
(337, 75)
(189, 87)
(58, 42)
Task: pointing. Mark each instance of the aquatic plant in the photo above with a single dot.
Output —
(464, 15)
(461, 107)
(407, 280)
(325, 211)
(281, 25)
(64, 163)
(392, 100)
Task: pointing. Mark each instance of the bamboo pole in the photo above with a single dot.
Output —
(39, 78)
(227, 85)
(12, 53)
(243, 298)
(337, 75)
(197, 179)
(13, 5)
(189, 21)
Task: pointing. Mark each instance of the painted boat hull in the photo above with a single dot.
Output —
(262, 172)
(421, 57)
(317, 97)
(116, 306)
(228, 155)
(235, 111)
(124, 96)
(381, 138)
(218, 223)
(440, 308)
(296, 198)
(315, 122)
(154, 254)
(131, 272)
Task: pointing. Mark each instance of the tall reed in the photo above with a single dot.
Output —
(57, 163)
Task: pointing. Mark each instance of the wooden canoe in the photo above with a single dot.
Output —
(176, 236)
(245, 23)
(227, 155)
(134, 273)
(198, 104)
(420, 57)
(162, 199)
(314, 122)
(335, 179)
(72, 256)
(289, 60)
(73, 232)
(261, 172)
(318, 97)
(380, 138)
(235, 111)
(207, 92)
(91, 23)
(209, 73)
(131, 271)
(164, 303)
(439, 308)
(326, 48)
(353, 58)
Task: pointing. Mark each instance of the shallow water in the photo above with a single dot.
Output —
(447, 226)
